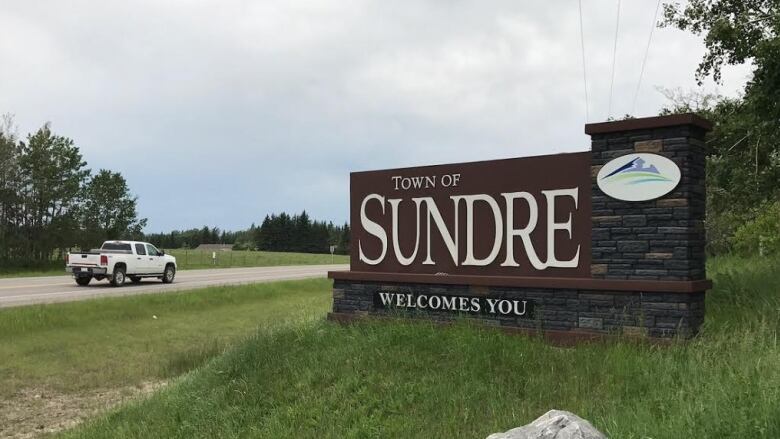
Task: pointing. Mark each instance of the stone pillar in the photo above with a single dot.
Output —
(661, 239)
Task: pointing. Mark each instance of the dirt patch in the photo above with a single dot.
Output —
(35, 411)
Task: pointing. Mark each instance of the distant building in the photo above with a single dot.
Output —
(215, 247)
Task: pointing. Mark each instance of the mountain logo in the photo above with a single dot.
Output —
(638, 177)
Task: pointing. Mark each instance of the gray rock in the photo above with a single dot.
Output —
(555, 424)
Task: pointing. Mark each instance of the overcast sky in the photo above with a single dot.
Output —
(220, 112)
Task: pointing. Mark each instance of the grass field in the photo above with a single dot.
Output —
(298, 376)
(49, 268)
(188, 259)
(118, 341)
(192, 259)
(78, 354)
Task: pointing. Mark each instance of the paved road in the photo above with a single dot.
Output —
(30, 290)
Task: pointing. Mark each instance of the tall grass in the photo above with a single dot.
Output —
(419, 380)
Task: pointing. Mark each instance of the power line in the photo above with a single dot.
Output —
(644, 60)
(614, 57)
(584, 71)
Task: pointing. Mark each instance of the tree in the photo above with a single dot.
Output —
(109, 210)
(9, 187)
(296, 233)
(344, 242)
(53, 174)
(743, 150)
(738, 31)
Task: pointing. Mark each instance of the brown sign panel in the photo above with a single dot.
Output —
(515, 217)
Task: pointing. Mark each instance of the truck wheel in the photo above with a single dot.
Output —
(169, 274)
(118, 279)
(135, 279)
(83, 280)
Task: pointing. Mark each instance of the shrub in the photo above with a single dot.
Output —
(761, 235)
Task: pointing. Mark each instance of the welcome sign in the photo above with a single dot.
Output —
(514, 217)
(603, 242)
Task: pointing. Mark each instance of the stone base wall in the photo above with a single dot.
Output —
(633, 313)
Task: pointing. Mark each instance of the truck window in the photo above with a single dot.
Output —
(116, 246)
(139, 249)
(152, 250)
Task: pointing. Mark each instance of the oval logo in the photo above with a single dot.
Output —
(638, 177)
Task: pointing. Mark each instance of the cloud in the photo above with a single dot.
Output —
(221, 112)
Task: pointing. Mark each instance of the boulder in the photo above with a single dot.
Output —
(555, 424)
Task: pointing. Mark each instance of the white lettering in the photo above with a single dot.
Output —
(475, 306)
(450, 232)
(394, 207)
(464, 304)
(517, 312)
(497, 238)
(448, 303)
(372, 228)
(552, 226)
(524, 233)
(387, 298)
(492, 304)
(449, 241)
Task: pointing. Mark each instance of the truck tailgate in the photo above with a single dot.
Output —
(84, 259)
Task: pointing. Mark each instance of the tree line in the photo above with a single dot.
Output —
(282, 232)
(298, 233)
(192, 238)
(743, 150)
(51, 201)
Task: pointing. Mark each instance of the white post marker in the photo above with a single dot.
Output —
(213, 258)
(332, 249)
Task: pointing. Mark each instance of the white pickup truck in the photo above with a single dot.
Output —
(119, 260)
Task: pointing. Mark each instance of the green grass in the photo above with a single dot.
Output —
(259, 361)
(22, 272)
(317, 379)
(189, 259)
(47, 268)
(116, 341)
(192, 259)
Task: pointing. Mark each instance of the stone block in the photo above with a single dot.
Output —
(590, 323)
(599, 268)
(651, 272)
(659, 255)
(632, 246)
(649, 146)
(634, 221)
(672, 202)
